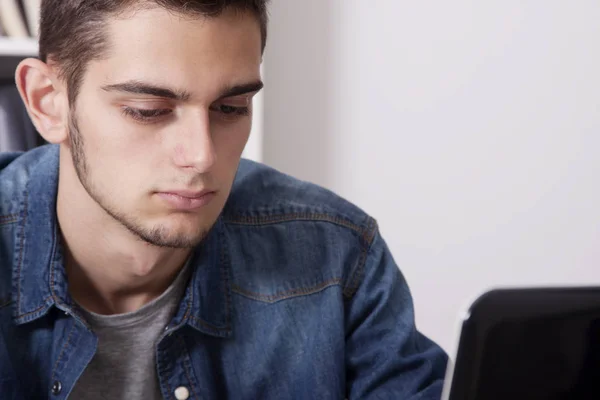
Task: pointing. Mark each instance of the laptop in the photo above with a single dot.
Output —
(531, 344)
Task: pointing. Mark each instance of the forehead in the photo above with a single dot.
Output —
(193, 53)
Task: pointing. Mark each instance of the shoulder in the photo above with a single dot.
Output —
(262, 194)
(289, 237)
(15, 171)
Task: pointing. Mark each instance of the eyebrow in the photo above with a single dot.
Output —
(138, 87)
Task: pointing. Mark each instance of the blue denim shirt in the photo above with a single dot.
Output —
(294, 295)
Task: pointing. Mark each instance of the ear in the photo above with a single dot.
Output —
(45, 97)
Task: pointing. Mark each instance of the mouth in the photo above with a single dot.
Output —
(186, 200)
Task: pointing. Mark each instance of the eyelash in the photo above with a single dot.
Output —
(145, 115)
(151, 115)
(236, 111)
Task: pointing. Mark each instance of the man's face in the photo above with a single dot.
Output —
(159, 126)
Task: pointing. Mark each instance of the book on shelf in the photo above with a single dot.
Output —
(32, 13)
(19, 18)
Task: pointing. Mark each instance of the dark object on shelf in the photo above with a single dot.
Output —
(24, 15)
(17, 133)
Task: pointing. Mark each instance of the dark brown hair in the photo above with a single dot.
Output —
(72, 31)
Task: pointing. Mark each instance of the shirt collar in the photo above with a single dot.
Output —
(206, 305)
(39, 277)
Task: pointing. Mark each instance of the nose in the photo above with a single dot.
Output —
(195, 148)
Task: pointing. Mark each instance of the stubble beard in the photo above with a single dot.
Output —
(156, 235)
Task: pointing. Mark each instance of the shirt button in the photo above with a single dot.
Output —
(182, 393)
(56, 388)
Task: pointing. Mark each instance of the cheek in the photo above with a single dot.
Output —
(230, 141)
(118, 157)
(112, 140)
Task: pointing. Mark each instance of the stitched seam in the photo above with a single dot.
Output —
(5, 304)
(186, 369)
(161, 367)
(267, 220)
(52, 271)
(171, 394)
(369, 233)
(207, 325)
(8, 219)
(62, 351)
(188, 310)
(8, 216)
(36, 310)
(52, 266)
(288, 294)
(361, 265)
(166, 381)
(185, 317)
(20, 262)
(368, 236)
(225, 278)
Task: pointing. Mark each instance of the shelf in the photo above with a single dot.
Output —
(12, 51)
(18, 47)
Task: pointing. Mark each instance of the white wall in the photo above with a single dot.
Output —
(254, 147)
(469, 129)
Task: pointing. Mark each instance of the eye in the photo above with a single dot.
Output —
(229, 112)
(146, 115)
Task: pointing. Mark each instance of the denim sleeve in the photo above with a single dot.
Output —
(386, 357)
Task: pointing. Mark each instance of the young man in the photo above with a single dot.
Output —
(140, 259)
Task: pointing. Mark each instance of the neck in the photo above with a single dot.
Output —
(115, 281)
(110, 270)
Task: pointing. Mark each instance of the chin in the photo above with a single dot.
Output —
(162, 237)
(174, 231)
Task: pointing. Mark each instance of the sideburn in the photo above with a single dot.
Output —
(77, 151)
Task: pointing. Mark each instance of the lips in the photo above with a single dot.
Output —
(188, 194)
(186, 200)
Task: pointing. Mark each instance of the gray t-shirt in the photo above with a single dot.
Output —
(124, 366)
